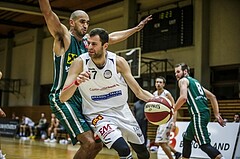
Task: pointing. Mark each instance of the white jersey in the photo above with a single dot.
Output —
(105, 103)
(28, 122)
(105, 89)
(164, 130)
(163, 94)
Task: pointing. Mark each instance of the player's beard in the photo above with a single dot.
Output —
(178, 78)
(97, 55)
(80, 32)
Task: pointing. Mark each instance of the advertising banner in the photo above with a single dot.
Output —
(8, 127)
(225, 139)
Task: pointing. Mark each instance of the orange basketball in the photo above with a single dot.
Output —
(158, 110)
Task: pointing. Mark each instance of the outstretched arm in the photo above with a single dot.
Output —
(119, 36)
(215, 107)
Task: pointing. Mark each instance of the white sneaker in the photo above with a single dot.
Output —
(154, 149)
(47, 140)
(2, 156)
(53, 140)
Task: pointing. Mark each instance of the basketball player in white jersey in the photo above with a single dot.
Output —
(164, 130)
(100, 76)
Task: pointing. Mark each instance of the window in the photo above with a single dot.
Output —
(225, 82)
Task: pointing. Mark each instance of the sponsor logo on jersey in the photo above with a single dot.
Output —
(103, 88)
(107, 96)
(71, 57)
(105, 130)
(95, 120)
(85, 43)
(107, 74)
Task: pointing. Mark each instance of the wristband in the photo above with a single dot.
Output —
(76, 83)
(73, 83)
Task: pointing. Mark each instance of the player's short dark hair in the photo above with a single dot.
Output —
(183, 67)
(161, 77)
(103, 34)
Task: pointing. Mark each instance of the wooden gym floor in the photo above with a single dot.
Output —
(37, 149)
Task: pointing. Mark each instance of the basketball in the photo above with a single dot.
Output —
(158, 110)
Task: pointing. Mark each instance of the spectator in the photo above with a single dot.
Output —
(27, 123)
(41, 126)
(138, 111)
(52, 129)
(14, 117)
(236, 118)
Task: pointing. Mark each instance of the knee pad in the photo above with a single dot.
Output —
(122, 148)
(210, 151)
(187, 148)
(141, 151)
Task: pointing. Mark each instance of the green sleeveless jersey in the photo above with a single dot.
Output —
(197, 100)
(62, 63)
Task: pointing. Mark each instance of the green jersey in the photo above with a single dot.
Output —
(62, 63)
(197, 100)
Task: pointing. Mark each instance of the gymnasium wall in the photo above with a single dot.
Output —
(216, 38)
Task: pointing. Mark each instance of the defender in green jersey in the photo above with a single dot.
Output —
(196, 97)
(68, 44)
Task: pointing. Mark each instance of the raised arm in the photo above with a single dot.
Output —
(119, 36)
(55, 27)
(124, 69)
(215, 107)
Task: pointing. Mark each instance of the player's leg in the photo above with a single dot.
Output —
(132, 131)
(106, 127)
(202, 135)
(70, 116)
(176, 153)
(166, 149)
(163, 137)
(187, 148)
(141, 150)
(121, 146)
(89, 147)
(187, 141)
(212, 152)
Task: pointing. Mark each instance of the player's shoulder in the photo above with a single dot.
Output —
(183, 80)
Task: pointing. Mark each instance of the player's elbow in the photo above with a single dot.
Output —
(184, 99)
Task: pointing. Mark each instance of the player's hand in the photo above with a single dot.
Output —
(173, 126)
(143, 22)
(84, 76)
(221, 121)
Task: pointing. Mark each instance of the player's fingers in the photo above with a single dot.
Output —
(148, 18)
(84, 76)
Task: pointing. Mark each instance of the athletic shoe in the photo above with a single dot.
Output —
(177, 155)
(2, 156)
(53, 140)
(47, 140)
(153, 149)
